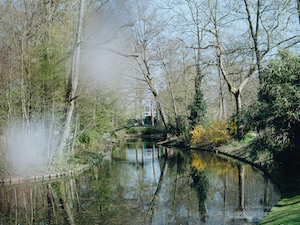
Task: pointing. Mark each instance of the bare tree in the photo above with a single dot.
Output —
(145, 30)
(265, 32)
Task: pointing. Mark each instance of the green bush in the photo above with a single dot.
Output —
(135, 130)
(276, 114)
(84, 138)
(150, 131)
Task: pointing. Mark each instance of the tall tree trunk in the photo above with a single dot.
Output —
(75, 133)
(172, 95)
(72, 83)
(222, 106)
(148, 78)
(152, 113)
(169, 83)
(171, 88)
(238, 101)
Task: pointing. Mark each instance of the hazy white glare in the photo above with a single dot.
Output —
(25, 148)
(102, 58)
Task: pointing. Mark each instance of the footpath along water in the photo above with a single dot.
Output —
(140, 183)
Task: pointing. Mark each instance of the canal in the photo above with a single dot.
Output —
(140, 183)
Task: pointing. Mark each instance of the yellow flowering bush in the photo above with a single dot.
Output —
(217, 133)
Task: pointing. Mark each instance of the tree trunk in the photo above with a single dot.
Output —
(148, 79)
(152, 114)
(172, 95)
(73, 81)
(169, 85)
(238, 101)
(75, 133)
(222, 107)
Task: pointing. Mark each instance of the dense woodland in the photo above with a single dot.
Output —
(73, 71)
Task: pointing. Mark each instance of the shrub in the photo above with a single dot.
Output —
(217, 133)
(276, 114)
(150, 131)
(134, 130)
(177, 126)
(84, 138)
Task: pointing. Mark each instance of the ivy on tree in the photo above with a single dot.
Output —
(198, 108)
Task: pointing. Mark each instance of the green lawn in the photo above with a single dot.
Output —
(287, 211)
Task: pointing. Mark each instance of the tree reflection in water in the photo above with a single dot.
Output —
(201, 185)
(143, 184)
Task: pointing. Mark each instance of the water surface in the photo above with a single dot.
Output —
(139, 183)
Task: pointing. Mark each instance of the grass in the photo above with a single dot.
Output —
(246, 140)
(287, 211)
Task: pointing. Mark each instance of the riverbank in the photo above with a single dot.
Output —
(39, 176)
(77, 163)
(287, 210)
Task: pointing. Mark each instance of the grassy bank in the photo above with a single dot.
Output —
(287, 210)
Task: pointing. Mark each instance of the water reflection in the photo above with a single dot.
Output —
(140, 183)
(201, 185)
